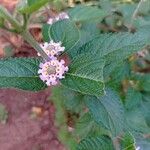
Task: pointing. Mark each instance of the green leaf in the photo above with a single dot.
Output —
(145, 82)
(145, 7)
(71, 100)
(64, 31)
(120, 73)
(33, 5)
(136, 121)
(127, 142)
(114, 48)
(145, 105)
(96, 143)
(85, 75)
(107, 111)
(86, 126)
(113, 44)
(86, 13)
(133, 98)
(20, 73)
(61, 118)
(85, 37)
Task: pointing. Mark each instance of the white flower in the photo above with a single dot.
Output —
(51, 71)
(142, 53)
(52, 49)
(137, 148)
(60, 16)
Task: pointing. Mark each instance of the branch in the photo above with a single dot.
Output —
(137, 9)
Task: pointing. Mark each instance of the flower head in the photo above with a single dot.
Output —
(51, 71)
(52, 49)
(60, 16)
(142, 53)
(138, 148)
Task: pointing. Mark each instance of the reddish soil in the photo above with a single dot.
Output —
(23, 131)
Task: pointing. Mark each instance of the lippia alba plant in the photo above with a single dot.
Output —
(96, 58)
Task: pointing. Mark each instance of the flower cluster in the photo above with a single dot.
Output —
(142, 53)
(52, 49)
(51, 71)
(60, 16)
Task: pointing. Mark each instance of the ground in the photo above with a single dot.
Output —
(30, 124)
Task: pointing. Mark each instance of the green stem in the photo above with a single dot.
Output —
(137, 9)
(22, 31)
(29, 38)
(6, 15)
(25, 18)
(135, 14)
(7, 29)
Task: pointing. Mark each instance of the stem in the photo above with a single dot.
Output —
(7, 29)
(22, 31)
(6, 15)
(25, 23)
(116, 143)
(29, 38)
(135, 13)
(137, 9)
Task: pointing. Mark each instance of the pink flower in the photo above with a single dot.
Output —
(60, 16)
(52, 49)
(51, 71)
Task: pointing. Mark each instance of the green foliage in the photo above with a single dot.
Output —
(71, 100)
(86, 13)
(114, 48)
(137, 113)
(33, 5)
(96, 143)
(80, 77)
(85, 37)
(31, 2)
(86, 78)
(86, 126)
(61, 31)
(101, 40)
(107, 111)
(1, 21)
(59, 99)
(145, 83)
(20, 73)
(133, 98)
(128, 142)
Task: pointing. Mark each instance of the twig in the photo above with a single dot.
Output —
(137, 9)
(135, 14)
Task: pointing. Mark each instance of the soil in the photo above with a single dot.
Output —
(30, 124)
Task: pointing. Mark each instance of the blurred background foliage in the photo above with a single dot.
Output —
(131, 79)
